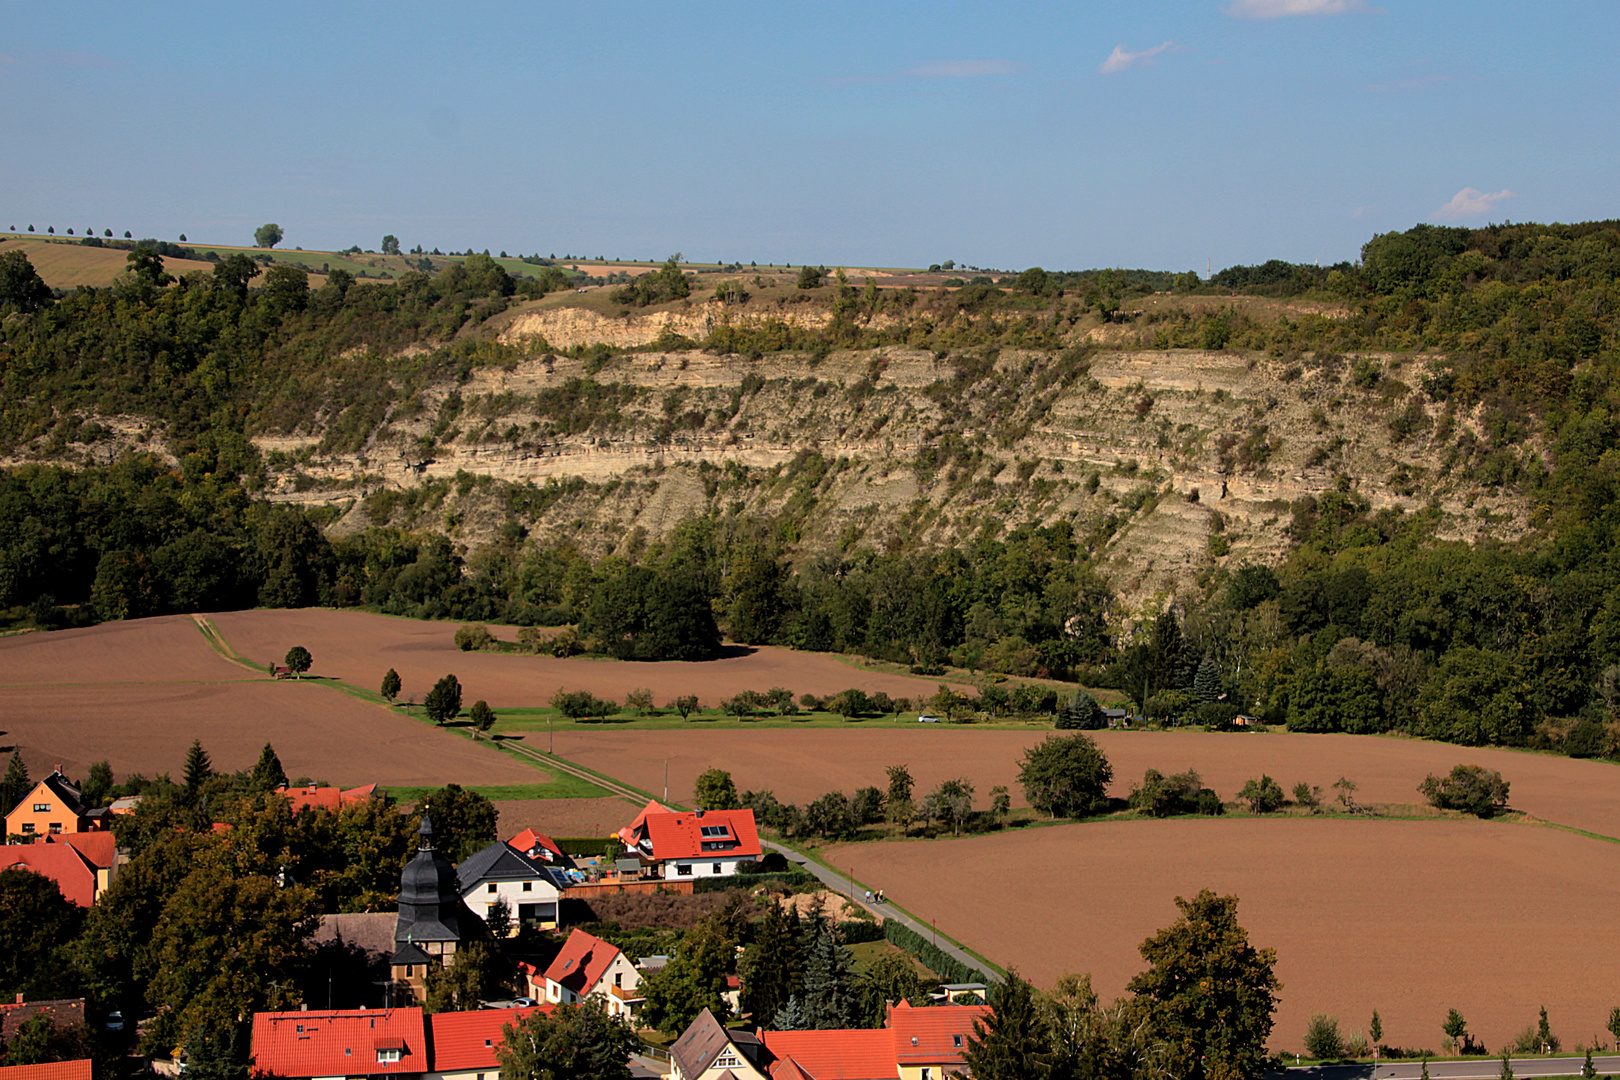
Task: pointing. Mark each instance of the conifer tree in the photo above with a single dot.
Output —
(830, 997)
(16, 784)
(772, 968)
(267, 773)
(391, 685)
(198, 766)
(789, 1017)
(1207, 682)
(1010, 1043)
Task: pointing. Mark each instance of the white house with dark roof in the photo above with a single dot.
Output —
(532, 889)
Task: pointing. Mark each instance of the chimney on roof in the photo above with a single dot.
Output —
(19, 999)
(304, 1007)
(699, 812)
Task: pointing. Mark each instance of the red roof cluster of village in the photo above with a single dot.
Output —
(372, 1042)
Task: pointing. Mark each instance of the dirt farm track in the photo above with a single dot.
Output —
(1411, 918)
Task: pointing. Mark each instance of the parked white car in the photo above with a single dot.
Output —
(924, 718)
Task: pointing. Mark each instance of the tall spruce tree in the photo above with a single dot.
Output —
(16, 784)
(1207, 682)
(773, 967)
(267, 773)
(199, 767)
(789, 1017)
(1012, 1042)
(831, 998)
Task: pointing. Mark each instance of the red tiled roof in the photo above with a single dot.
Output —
(582, 963)
(340, 1043)
(62, 864)
(100, 849)
(54, 1070)
(679, 836)
(833, 1055)
(637, 828)
(468, 1040)
(326, 798)
(537, 846)
(934, 1031)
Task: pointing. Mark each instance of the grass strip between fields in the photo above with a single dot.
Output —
(561, 785)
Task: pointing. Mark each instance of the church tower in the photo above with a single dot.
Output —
(429, 927)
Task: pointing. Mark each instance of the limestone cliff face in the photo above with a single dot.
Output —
(1169, 462)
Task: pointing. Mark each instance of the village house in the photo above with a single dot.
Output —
(692, 844)
(540, 847)
(463, 1045)
(708, 1050)
(587, 967)
(403, 1043)
(913, 1044)
(531, 889)
(326, 798)
(81, 864)
(53, 808)
(340, 1043)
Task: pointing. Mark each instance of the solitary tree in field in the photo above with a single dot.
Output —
(391, 685)
(481, 715)
(1455, 1027)
(267, 236)
(444, 700)
(686, 705)
(299, 660)
(390, 245)
(639, 700)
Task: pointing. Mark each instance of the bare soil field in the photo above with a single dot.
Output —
(799, 765)
(317, 732)
(136, 693)
(1411, 918)
(564, 817)
(164, 650)
(359, 648)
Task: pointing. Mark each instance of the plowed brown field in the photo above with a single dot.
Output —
(1411, 918)
(799, 764)
(565, 817)
(137, 693)
(358, 648)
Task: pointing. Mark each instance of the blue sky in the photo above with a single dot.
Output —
(1154, 133)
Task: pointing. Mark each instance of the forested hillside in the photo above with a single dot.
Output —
(1374, 496)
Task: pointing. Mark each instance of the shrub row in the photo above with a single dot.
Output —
(947, 967)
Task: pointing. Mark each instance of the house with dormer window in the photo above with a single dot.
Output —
(587, 967)
(693, 844)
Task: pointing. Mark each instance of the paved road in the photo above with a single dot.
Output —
(1480, 1068)
(839, 883)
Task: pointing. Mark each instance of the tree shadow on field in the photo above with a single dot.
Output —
(734, 652)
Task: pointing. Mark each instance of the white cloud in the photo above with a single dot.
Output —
(1471, 203)
(1277, 9)
(1120, 59)
(961, 69)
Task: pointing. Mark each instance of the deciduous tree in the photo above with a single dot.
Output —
(443, 702)
(267, 236)
(1066, 776)
(714, 790)
(299, 660)
(391, 685)
(573, 1042)
(1208, 992)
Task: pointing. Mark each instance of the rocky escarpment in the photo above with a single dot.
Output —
(1169, 462)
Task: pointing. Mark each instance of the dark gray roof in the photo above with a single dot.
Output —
(429, 902)
(501, 861)
(410, 954)
(702, 1042)
(62, 789)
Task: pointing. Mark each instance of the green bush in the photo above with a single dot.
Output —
(947, 967)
